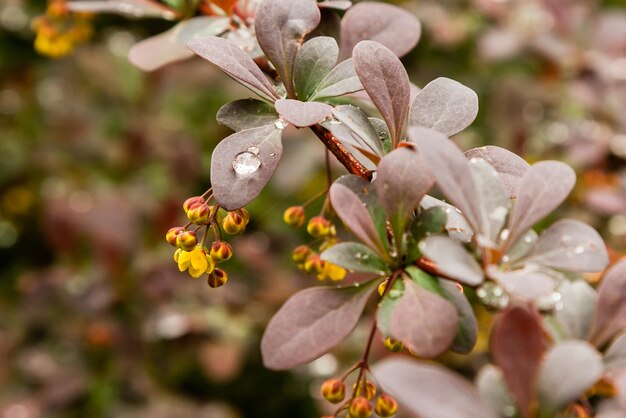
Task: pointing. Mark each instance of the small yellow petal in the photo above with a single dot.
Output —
(184, 260)
(336, 273)
(195, 273)
(198, 259)
(210, 264)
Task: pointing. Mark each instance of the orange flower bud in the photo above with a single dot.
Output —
(199, 214)
(172, 234)
(318, 226)
(221, 251)
(369, 391)
(217, 278)
(333, 390)
(187, 240)
(233, 223)
(294, 216)
(386, 406)
(244, 214)
(300, 254)
(360, 408)
(191, 202)
(393, 345)
(314, 264)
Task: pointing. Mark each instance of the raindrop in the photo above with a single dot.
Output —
(334, 121)
(273, 154)
(493, 295)
(246, 163)
(254, 150)
(528, 239)
(504, 235)
(280, 124)
(498, 214)
(579, 249)
(506, 259)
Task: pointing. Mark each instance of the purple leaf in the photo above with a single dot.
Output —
(302, 114)
(246, 114)
(425, 322)
(467, 334)
(456, 225)
(360, 132)
(312, 322)
(570, 245)
(280, 27)
(517, 347)
(403, 180)
(170, 46)
(509, 165)
(493, 390)
(339, 81)
(451, 170)
(243, 163)
(356, 257)
(388, 25)
(530, 283)
(445, 106)
(314, 60)
(384, 78)
(430, 391)
(578, 302)
(355, 216)
(569, 369)
(610, 316)
(235, 63)
(134, 8)
(544, 187)
(452, 259)
(615, 355)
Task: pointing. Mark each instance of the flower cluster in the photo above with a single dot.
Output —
(59, 31)
(361, 404)
(191, 254)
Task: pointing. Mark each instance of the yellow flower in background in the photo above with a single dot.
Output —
(59, 31)
(196, 262)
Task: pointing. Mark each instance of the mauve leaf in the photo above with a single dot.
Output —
(362, 132)
(615, 355)
(517, 346)
(452, 259)
(246, 114)
(312, 322)
(354, 256)
(610, 315)
(280, 27)
(425, 322)
(355, 216)
(339, 81)
(302, 114)
(134, 8)
(522, 247)
(430, 391)
(530, 282)
(544, 187)
(335, 4)
(509, 165)
(569, 369)
(255, 152)
(402, 181)
(384, 78)
(578, 302)
(314, 61)
(170, 46)
(467, 333)
(445, 106)
(492, 388)
(570, 245)
(388, 25)
(456, 225)
(451, 170)
(235, 63)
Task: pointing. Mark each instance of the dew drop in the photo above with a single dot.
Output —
(493, 295)
(280, 124)
(579, 249)
(498, 214)
(273, 154)
(334, 121)
(504, 235)
(528, 239)
(506, 259)
(254, 150)
(246, 162)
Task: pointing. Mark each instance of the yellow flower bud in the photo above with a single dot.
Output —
(333, 390)
(382, 287)
(360, 408)
(386, 406)
(199, 214)
(300, 254)
(187, 240)
(172, 234)
(294, 216)
(217, 278)
(221, 251)
(394, 345)
(318, 226)
(368, 391)
(233, 223)
(192, 202)
(314, 264)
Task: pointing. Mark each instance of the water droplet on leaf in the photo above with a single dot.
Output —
(246, 163)
(280, 124)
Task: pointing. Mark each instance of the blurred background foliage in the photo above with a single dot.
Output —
(96, 158)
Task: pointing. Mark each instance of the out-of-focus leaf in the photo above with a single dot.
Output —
(403, 180)
(436, 328)
(425, 390)
(492, 199)
(246, 114)
(452, 259)
(467, 333)
(170, 46)
(570, 245)
(235, 63)
(451, 170)
(302, 114)
(509, 165)
(615, 355)
(530, 282)
(354, 256)
(355, 216)
(383, 134)
(445, 106)
(313, 62)
(578, 302)
(335, 4)
(522, 246)
(456, 225)
(389, 25)
(545, 186)
(243, 163)
(339, 81)
(312, 322)
(361, 129)
(493, 390)
(384, 78)
(134, 8)
(280, 27)
(517, 346)
(610, 315)
(569, 369)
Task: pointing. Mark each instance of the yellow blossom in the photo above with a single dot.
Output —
(196, 262)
